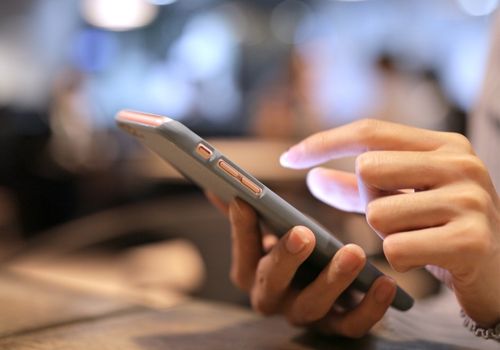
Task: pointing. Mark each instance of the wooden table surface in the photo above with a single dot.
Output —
(37, 315)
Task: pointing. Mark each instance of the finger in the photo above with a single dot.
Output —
(358, 322)
(315, 301)
(393, 170)
(408, 250)
(455, 246)
(269, 241)
(362, 136)
(276, 270)
(269, 238)
(336, 188)
(217, 202)
(412, 211)
(246, 243)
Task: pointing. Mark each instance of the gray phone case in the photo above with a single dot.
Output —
(177, 145)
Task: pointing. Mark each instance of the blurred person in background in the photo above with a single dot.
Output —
(414, 98)
(448, 220)
(76, 143)
(284, 107)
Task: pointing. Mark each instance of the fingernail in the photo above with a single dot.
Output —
(349, 260)
(297, 240)
(384, 291)
(284, 161)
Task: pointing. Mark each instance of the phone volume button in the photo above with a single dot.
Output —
(229, 169)
(251, 186)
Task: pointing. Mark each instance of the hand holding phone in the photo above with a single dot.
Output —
(263, 266)
(208, 168)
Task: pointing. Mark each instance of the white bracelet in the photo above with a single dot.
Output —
(486, 333)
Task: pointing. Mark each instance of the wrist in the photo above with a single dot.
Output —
(479, 297)
(492, 332)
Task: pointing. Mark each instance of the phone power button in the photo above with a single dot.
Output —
(204, 152)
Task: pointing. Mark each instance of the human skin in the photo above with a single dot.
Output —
(264, 266)
(424, 192)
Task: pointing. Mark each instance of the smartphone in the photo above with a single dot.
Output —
(204, 165)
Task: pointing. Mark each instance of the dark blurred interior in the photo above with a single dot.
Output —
(82, 203)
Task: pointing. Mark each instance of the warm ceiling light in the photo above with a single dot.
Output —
(118, 14)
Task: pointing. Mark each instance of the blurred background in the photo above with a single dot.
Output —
(83, 204)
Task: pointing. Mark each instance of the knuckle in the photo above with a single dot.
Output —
(261, 279)
(374, 215)
(474, 239)
(470, 166)
(366, 128)
(301, 315)
(294, 319)
(263, 283)
(291, 318)
(474, 199)
(394, 255)
(261, 303)
(351, 331)
(317, 141)
(366, 165)
(461, 142)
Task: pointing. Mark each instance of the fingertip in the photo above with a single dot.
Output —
(300, 238)
(217, 202)
(284, 161)
(336, 188)
(316, 171)
(348, 260)
(384, 290)
(240, 211)
(291, 158)
(356, 250)
(313, 176)
(314, 181)
(307, 233)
